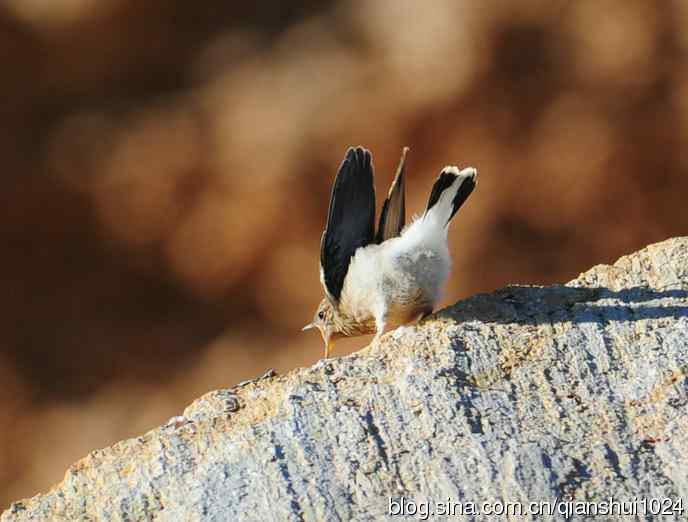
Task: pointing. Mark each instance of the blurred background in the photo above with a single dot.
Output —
(166, 170)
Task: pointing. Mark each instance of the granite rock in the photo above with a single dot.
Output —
(527, 394)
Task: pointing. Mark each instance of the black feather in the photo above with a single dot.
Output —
(444, 181)
(350, 220)
(393, 214)
(462, 194)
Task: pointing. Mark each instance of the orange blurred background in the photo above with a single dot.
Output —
(167, 168)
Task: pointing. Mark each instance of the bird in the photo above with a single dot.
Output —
(375, 281)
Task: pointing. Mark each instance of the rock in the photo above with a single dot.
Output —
(527, 394)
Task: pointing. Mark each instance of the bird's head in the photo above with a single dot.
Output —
(325, 321)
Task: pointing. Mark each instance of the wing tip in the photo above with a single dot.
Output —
(358, 154)
(401, 170)
(387, 230)
(351, 218)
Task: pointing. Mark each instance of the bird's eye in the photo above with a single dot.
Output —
(321, 315)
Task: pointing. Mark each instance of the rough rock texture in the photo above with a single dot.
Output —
(526, 394)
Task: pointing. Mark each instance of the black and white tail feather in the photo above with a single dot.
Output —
(450, 192)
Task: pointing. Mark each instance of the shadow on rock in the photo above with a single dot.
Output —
(537, 305)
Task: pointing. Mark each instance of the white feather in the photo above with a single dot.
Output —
(383, 276)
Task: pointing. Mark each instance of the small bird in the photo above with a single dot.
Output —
(375, 282)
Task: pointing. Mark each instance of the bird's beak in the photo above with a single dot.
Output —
(309, 326)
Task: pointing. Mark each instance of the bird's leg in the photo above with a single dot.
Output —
(424, 315)
(380, 323)
(379, 331)
(328, 347)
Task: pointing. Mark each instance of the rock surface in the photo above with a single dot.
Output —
(526, 394)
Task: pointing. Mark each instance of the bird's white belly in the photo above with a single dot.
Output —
(402, 283)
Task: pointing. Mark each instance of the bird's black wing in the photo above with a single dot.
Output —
(393, 215)
(350, 220)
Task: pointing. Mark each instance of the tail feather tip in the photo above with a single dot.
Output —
(468, 172)
(458, 183)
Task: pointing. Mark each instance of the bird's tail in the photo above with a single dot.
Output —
(449, 192)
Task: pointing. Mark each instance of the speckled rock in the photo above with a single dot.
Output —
(527, 394)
